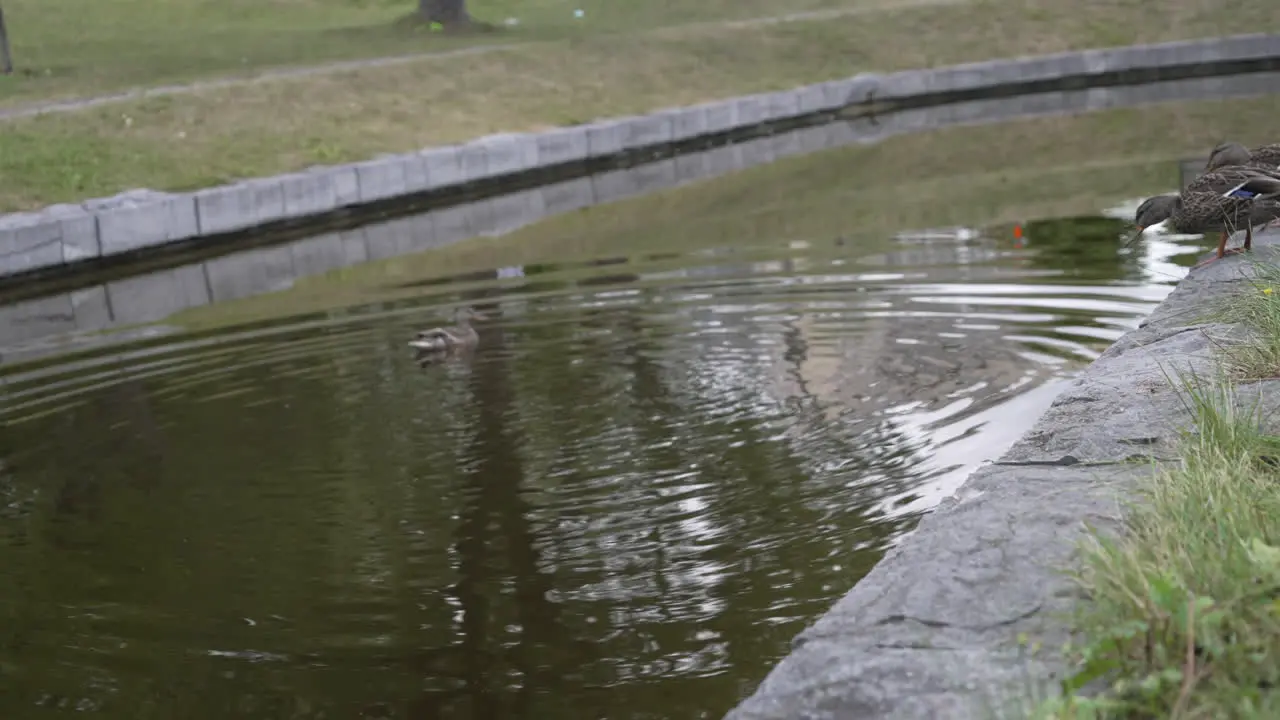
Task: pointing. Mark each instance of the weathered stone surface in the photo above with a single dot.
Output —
(79, 230)
(510, 153)
(780, 105)
(812, 99)
(381, 179)
(562, 145)
(748, 110)
(932, 630)
(646, 131)
(473, 160)
(606, 137)
(139, 219)
(308, 193)
(688, 122)
(721, 116)
(444, 166)
(240, 206)
(30, 241)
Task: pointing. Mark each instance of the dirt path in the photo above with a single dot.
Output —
(75, 104)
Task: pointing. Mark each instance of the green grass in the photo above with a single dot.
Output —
(86, 47)
(624, 65)
(1258, 309)
(1183, 612)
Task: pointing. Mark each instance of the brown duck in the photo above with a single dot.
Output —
(439, 340)
(1230, 154)
(1225, 200)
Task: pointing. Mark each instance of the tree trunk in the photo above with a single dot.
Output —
(6, 61)
(450, 13)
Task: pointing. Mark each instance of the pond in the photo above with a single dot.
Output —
(693, 421)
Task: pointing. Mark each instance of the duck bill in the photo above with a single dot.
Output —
(1134, 235)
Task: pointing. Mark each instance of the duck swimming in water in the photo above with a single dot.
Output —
(440, 340)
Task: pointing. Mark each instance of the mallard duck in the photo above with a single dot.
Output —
(1232, 154)
(1223, 201)
(448, 339)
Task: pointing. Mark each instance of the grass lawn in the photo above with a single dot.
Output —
(213, 136)
(1183, 617)
(86, 47)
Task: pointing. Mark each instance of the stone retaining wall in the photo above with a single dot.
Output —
(139, 220)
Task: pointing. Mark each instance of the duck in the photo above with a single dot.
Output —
(1222, 200)
(461, 336)
(1230, 154)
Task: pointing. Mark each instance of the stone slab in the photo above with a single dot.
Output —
(748, 111)
(443, 166)
(562, 145)
(721, 116)
(687, 123)
(606, 137)
(240, 206)
(79, 230)
(381, 179)
(308, 193)
(30, 241)
(473, 160)
(812, 99)
(781, 105)
(125, 225)
(510, 153)
(644, 131)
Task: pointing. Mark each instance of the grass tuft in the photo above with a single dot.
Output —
(1183, 611)
(1257, 308)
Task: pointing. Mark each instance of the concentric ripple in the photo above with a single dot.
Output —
(653, 472)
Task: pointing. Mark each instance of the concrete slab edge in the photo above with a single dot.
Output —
(934, 629)
(144, 219)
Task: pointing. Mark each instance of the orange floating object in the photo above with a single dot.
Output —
(1017, 231)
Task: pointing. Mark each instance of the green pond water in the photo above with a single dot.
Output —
(694, 420)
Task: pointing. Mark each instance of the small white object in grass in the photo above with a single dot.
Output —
(578, 13)
(511, 22)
